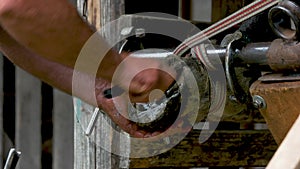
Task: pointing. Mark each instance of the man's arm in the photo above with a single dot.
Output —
(54, 30)
(45, 38)
(61, 77)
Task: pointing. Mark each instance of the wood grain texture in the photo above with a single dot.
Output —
(224, 148)
(283, 106)
(28, 120)
(63, 142)
(88, 153)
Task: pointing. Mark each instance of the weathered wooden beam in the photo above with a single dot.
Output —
(28, 120)
(84, 147)
(287, 156)
(63, 142)
(239, 148)
(88, 152)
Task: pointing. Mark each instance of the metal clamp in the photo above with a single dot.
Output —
(238, 94)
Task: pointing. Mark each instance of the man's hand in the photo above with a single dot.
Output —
(46, 37)
(145, 79)
(60, 76)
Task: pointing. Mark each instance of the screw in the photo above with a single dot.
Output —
(259, 102)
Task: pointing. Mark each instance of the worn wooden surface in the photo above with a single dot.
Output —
(287, 156)
(84, 149)
(282, 99)
(88, 152)
(225, 148)
(28, 120)
(63, 135)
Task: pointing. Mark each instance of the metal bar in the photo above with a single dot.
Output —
(252, 53)
(92, 122)
(12, 159)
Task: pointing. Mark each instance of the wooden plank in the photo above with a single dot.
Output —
(2, 155)
(109, 10)
(88, 153)
(28, 120)
(63, 134)
(287, 156)
(84, 148)
(230, 148)
(282, 100)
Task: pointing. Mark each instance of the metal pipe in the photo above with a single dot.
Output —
(278, 55)
(252, 53)
(284, 56)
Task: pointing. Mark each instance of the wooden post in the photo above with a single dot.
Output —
(84, 149)
(88, 154)
(28, 120)
(63, 134)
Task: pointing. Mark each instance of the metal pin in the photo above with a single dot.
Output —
(12, 159)
(92, 122)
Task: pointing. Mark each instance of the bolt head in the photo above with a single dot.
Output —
(259, 102)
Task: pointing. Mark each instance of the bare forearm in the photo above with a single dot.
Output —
(39, 67)
(55, 74)
(86, 87)
(52, 29)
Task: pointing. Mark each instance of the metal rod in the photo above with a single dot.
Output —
(92, 122)
(252, 53)
(12, 159)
